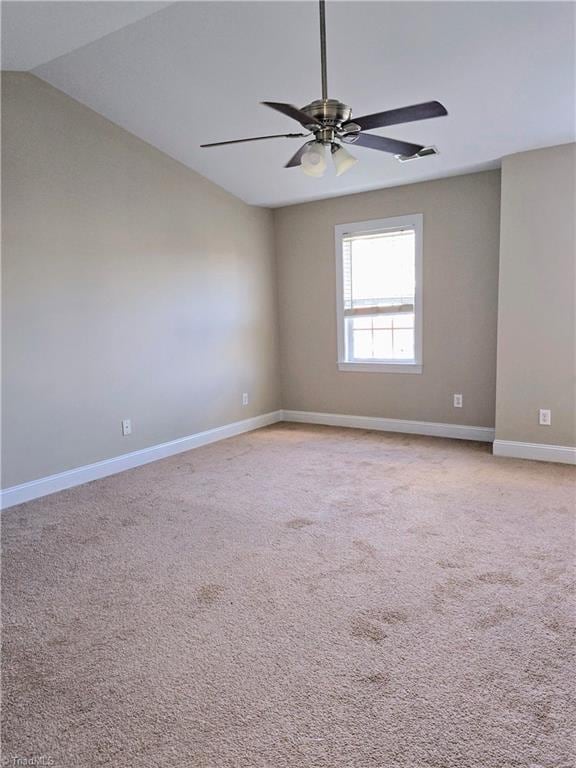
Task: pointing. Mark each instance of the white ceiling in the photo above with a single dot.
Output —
(195, 72)
(36, 32)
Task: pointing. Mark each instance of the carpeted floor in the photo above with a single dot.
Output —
(297, 597)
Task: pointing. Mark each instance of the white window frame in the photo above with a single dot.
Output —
(415, 221)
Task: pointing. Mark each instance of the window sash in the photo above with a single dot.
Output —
(361, 307)
(351, 349)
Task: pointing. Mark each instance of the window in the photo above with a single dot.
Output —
(379, 270)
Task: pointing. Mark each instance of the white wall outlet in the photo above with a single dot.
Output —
(457, 401)
(545, 417)
(126, 427)
(245, 398)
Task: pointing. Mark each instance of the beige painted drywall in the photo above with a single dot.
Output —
(536, 317)
(460, 263)
(133, 288)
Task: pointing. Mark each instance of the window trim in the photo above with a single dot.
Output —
(415, 221)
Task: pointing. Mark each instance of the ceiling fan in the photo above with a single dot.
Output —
(329, 122)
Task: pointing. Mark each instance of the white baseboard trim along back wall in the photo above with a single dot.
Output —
(458, 431)
(562, 454)
(44, 486)
(508, 449)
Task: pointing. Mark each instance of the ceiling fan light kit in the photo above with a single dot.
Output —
(330, 122)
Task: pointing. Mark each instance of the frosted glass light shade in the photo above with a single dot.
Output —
(314, 160)
(343, 160)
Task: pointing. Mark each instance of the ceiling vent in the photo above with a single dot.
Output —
(424, 152)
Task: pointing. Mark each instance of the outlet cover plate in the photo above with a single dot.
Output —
(545, 417)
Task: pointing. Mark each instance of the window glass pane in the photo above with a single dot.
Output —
(403, 344)
(379, 270)
(403, 320)
(383, 321)
(383, 344)
(382, 269)
(362, 341)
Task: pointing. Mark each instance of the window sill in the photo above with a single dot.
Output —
(366, 367)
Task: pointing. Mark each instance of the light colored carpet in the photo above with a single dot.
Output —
(296, 597)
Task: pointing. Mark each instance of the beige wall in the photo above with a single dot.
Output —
(536, 320)
(460, 262)
(133, 287)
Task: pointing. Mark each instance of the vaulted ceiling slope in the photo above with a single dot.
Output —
(36, 32)
(181, 74)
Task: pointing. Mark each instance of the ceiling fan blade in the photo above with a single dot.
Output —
(402, 115)
(293, 112)
(384, 144)
(256, 138)
(297, 158)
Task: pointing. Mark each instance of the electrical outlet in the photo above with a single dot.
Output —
(245, 398)
(126, 427)
(545, 417)
(457, 401)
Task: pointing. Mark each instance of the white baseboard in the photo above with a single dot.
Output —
(537, 451)
(18, 494)
(458, 431)
(44, 486)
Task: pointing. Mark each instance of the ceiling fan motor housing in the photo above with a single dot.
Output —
(331, 113)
